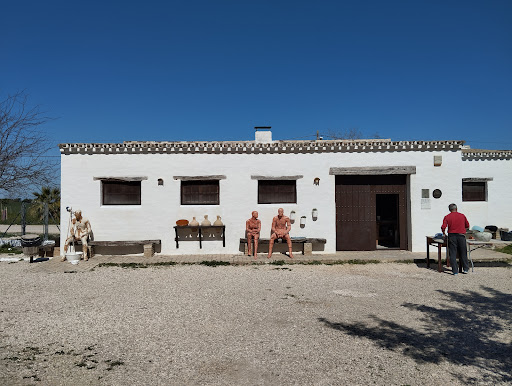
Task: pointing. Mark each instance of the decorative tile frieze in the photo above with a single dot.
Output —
(479, 154)
(251, 147)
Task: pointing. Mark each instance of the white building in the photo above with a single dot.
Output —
(368, 193)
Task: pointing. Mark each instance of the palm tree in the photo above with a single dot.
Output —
(50, 196)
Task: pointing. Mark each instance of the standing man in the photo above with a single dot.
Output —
(457, 225)
(281, 227)
(253, 228)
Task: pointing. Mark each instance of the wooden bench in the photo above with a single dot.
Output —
(149, 245)
(307, 243)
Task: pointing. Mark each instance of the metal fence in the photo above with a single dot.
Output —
(21, 218)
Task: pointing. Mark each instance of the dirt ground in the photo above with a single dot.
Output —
(388, 323)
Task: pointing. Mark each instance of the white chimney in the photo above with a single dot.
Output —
(263, 134)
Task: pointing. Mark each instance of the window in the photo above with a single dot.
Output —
(121, 192)
(277, 191)
(474, 191)
(200, 192)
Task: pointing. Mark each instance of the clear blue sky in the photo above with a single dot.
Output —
(212, 70)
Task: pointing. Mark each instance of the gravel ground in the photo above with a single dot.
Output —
(382, 324)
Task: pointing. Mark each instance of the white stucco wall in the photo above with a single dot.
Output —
(427, 221)
(497, 210)
(160, 207)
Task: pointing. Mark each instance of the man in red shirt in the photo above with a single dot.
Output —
(457, 225)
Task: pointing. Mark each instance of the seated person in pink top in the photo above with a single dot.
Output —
(457, 225)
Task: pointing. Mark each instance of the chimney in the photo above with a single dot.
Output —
(263, 134)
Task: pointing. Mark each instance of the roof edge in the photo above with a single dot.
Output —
(319, 146)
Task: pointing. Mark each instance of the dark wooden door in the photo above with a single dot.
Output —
(355, 218)
(356, 222)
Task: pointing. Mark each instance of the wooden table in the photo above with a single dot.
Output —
(471, 246)
(439, 243)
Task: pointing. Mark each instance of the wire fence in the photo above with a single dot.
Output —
(27, 213)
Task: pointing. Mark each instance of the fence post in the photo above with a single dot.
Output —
(23, 218)
(45, 221)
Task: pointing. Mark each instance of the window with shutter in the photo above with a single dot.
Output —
(474, 191)
(121, 192)
(277, 191)
(200, 192)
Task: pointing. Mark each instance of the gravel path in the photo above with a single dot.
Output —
(382, 324)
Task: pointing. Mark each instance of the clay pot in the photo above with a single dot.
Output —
(206, 222)
(194, 223)
(218, 222)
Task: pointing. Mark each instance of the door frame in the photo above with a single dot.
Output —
(404, 197)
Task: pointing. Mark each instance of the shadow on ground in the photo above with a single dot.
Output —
(504, 263)
(469, 329)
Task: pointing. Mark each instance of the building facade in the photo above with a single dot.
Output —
(356, 194)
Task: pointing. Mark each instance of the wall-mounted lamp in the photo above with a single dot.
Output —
(316, 181)
(303, 221)
(292, 216)
(314, 214)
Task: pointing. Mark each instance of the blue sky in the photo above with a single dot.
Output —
(212, 70)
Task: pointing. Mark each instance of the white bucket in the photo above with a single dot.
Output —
(74, 257)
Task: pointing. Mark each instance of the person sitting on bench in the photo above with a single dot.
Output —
(281, 227)
(79, 230)
(253, 228)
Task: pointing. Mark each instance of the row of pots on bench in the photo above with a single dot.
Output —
(195, 223)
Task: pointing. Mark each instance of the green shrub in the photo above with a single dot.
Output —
(214, 263)
(507, 249)
(8, 249)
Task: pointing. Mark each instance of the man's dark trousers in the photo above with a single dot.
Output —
(457, 242)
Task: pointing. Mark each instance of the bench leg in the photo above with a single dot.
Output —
(149, 250)
(246, 249)
(90, 249)
(307, 249)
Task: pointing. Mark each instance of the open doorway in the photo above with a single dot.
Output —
(387, 221)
